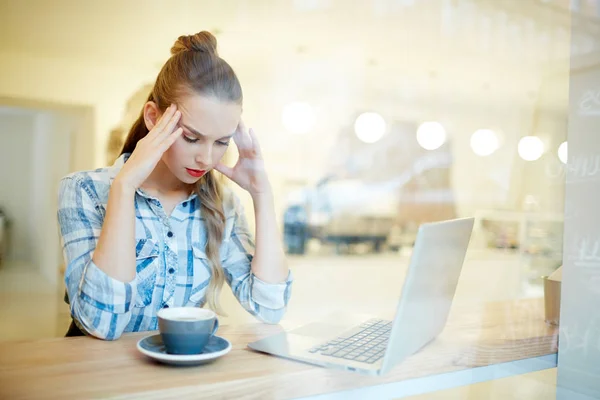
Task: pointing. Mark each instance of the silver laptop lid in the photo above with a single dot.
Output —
(429, 287)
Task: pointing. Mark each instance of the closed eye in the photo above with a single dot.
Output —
(194, 140)
(189, 139)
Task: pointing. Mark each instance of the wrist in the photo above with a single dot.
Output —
(262, 199)
(122, 188)
(262, 191)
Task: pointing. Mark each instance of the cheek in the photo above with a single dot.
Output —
(175, 153)
(218, 153)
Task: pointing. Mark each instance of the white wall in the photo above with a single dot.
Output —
(50, 161)
(101, 88)
(35, 153)
(16, 140)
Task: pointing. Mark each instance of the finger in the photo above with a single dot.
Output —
(169, 128)
(163, 120)
(255, 143)
(241, 126)
(241, 138)
(225, 170)
(168, 142)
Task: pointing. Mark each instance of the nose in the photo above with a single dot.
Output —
(204, 155)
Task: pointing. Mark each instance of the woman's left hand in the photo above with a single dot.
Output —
(249, 171)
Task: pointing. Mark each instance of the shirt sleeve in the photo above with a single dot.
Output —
(266, 301)
(100, 304)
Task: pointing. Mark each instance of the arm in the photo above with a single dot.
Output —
(269, 263)
(100, 303)
(265, 299)
(115, 251)
(260, 279)
(100, 250)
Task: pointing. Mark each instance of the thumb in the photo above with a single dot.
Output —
(225, 170)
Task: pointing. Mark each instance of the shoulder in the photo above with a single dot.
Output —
(95, 183)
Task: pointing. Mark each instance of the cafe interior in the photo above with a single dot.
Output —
(374, 118)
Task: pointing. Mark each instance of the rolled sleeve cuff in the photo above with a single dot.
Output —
(105, 292)
(271, 295)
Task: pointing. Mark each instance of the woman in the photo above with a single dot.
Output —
(156, 229)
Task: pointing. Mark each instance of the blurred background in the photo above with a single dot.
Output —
(374, 117)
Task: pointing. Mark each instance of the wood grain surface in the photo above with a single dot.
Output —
(77, 368)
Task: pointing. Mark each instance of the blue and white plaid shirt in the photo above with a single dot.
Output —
(172, 267)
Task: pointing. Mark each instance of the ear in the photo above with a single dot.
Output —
(151, 114)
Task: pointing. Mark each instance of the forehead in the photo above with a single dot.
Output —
(209, 116)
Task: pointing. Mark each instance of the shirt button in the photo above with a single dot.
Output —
(171, 270)
(170, 234)
(184, 204)
(166, 306)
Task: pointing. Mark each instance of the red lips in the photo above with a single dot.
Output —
(196, 173)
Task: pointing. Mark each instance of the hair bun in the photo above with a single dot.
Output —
(203, 42)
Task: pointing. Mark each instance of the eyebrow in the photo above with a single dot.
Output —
(195, 132)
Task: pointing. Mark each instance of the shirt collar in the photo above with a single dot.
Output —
(116, 167)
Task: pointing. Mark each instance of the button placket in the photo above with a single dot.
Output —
(170, 248)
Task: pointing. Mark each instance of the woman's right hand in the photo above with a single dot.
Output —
(149, 150)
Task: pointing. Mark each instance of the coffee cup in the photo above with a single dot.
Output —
(186, 330)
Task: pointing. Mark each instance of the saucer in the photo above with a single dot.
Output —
(153, 347)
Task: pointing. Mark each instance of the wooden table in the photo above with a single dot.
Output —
(483, 336)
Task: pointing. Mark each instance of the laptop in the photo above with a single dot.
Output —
(371, 345)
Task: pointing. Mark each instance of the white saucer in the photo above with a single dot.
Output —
(153, 347)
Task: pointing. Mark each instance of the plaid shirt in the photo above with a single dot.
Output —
(171, 264)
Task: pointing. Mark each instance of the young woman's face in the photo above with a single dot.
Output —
(208, 125)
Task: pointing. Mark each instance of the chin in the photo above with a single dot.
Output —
(190, 180)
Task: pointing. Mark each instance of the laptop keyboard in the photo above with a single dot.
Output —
(365, 343)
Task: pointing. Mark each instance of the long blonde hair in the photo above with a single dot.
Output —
(195, 67)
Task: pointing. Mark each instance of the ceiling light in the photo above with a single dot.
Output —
(563, 153)
(484, 142)
(431, 135)
(369, 127)
(530, 148)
